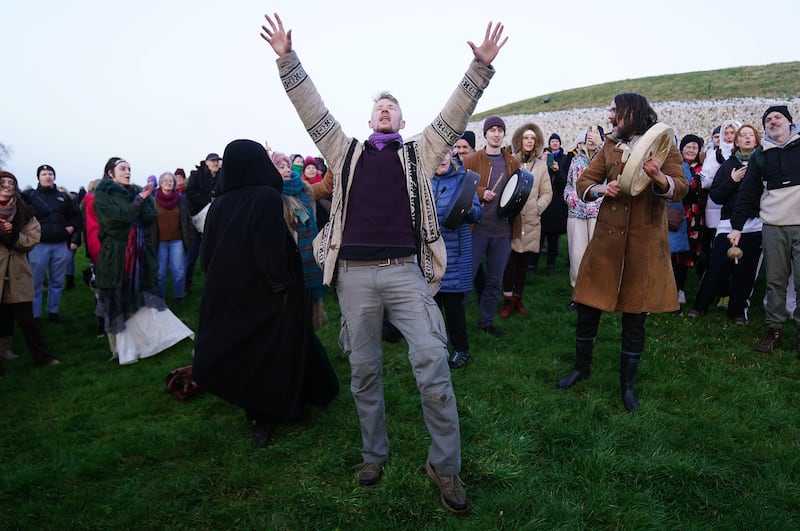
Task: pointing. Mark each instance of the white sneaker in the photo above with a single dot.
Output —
(681, 297)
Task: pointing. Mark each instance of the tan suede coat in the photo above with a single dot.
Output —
(627, 267)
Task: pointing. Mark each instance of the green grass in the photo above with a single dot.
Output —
(92, 445)
(779, 80)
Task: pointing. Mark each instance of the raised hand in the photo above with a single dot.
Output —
(487, 51)
(277, 37)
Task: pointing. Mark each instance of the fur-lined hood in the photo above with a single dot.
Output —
(516, 139)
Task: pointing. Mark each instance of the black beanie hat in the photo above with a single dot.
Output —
(469, 136)
(44, 167)
(783, 109)
(554, 135)
(691, 138)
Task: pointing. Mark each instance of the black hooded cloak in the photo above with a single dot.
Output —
(255, 345)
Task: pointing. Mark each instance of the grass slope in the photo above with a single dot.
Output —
(779, 80)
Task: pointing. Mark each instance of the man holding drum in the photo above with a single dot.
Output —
(626, 267)
(492, 236)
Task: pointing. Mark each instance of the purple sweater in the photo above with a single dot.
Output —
(378, 223)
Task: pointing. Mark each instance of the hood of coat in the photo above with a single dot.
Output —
(247, 164)
(727, 147)
(516, 139)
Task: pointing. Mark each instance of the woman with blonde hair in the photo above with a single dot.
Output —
(581, 215)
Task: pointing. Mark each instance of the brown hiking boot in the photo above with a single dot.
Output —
(771, 341)
(369, 474)
(451, 489)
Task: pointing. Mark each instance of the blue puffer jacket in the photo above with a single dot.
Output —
(458, 275)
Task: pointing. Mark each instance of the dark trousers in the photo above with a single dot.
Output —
(455, 319)
(632, 328)
(22, 313)
(191, 257)
(553, 239)
(725, 276)
(515, 273)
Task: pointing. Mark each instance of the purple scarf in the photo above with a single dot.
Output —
(379, 140)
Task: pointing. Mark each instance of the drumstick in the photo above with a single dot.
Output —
(498, 181)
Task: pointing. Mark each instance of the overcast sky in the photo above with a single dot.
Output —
(164, 82)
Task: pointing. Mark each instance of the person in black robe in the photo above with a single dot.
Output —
(255, 346)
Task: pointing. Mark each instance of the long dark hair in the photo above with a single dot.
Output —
(636, 112)
(110, 165)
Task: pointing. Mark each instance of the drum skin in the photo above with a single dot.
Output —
(515, 193)
(656, 141)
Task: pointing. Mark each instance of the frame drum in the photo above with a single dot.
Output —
(515, 193)
(656, 141)
(462, 200)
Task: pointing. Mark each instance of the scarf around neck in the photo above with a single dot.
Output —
(380, 140)
(295, 186)
(9, 208)
(165, 201)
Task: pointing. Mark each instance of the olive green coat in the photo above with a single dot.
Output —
(117, 208)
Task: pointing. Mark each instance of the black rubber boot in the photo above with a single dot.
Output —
(583, 364)
(628, 370)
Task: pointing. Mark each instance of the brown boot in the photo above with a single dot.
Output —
(508, 306)
(771, 341)
(518, 305)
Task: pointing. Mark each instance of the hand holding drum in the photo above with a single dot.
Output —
(643, 164)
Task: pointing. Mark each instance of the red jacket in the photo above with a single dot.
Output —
(92, 228)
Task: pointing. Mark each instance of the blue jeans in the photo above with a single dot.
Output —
(365, 293)
(51, 258)
(170, 253)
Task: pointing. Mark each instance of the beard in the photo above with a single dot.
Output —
(624, 131)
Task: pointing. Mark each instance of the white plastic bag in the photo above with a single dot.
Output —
(199, 219)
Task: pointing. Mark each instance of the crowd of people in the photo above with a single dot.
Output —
(373, 220)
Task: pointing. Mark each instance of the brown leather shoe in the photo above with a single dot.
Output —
(771, 341)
